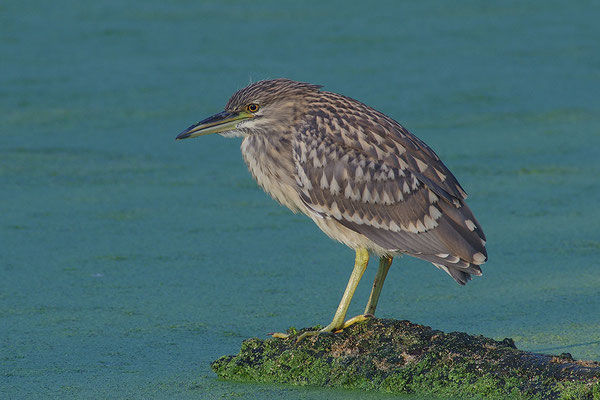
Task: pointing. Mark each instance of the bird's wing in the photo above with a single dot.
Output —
(383, 182)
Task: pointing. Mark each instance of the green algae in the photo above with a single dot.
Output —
(401, 357)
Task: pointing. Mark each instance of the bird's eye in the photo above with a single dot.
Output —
(252, 107)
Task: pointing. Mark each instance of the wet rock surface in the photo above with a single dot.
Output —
(402, 357)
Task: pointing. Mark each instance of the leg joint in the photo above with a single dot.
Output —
(362, 256)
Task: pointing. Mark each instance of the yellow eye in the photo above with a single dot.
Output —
(252, 107)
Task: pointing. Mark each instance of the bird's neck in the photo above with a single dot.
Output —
(270, 161)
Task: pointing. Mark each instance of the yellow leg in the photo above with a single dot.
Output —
(384, 266)
(360, 265)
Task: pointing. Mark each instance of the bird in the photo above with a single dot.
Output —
(362, 178)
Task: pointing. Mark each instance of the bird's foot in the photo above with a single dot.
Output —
(332, 328)
(358, 318)
(279, 335)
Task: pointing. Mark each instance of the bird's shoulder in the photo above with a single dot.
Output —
(354, 138)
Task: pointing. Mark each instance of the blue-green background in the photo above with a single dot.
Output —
(129, 261)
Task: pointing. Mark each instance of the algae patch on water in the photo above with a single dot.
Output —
(401, 357)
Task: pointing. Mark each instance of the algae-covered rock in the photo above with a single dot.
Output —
(401, 357)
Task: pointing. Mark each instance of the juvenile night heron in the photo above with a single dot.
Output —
(358, 174)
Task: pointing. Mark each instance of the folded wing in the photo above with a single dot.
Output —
(379, 180)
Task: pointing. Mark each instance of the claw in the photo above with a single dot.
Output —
(354, 320)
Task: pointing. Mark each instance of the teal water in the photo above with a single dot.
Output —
(128, 261)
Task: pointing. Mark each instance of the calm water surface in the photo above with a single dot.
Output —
(128, 261)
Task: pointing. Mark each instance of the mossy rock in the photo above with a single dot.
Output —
(401, 357)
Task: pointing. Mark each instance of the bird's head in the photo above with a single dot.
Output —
(259, 107)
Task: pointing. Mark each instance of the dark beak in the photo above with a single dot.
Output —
(221, 122)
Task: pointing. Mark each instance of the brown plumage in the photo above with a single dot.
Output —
(358, 174)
